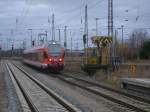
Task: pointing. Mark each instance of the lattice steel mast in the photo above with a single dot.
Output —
(110, 18)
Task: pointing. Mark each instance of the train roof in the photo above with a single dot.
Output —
(45, 45)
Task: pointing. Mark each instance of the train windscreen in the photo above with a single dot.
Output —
(54, 49)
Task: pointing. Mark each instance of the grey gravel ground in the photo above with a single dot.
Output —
(93, 79)
(42, 101)
(12, 98)
(123, 98)
(3, 97)
(82, 99)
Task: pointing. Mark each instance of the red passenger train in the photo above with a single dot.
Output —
(48, 56)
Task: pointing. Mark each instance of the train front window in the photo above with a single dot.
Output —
(54, 50)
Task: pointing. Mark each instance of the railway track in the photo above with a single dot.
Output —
(31, 88)
(142, 99)
(130, 101)
(124, 100)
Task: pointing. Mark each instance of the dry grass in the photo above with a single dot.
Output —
(139, 61)
(73, 64)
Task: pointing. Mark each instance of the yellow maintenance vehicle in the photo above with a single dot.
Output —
(97, 57)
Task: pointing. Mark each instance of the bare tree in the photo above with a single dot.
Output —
(137, 38)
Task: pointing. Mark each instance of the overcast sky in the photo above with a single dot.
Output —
(33, 14)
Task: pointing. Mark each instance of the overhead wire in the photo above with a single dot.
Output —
(23, 10)
(68, 12)
(25, 13)
(74, 17)
(27, 8)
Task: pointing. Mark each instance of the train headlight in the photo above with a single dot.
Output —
(50, 59)
(60, 59)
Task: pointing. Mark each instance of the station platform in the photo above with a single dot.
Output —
(141, 85)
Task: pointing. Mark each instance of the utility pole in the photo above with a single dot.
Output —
(31, 36)
(96, 25)
(49, 26)
(122, 35)
(110, 18)
(53, 27)
(59, 34)
(85, 36)
(86, 25)
(65, 36)
(46, 36)
(12, 35)
(11, 40)
(122, 40)
(115, 43)
(71, 43)
(16, 25)
(1, 40)
(77, 45)
(110, 30)
(24, 44)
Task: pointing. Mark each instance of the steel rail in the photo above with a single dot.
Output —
(111, 89)
(124, 104)
(27, 98)
(115, 100)
(59, 99)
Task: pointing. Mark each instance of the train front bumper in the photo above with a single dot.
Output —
(56, 66)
